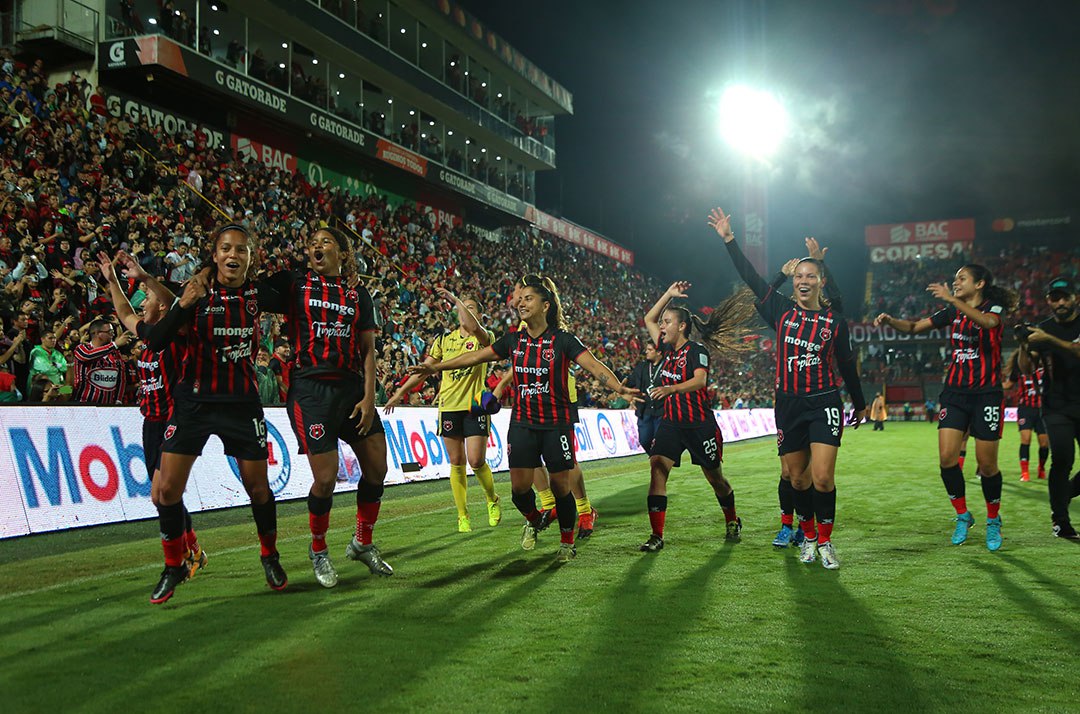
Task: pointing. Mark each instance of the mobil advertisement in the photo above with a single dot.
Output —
(67, 467)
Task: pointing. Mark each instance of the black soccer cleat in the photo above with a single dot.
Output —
(275, 574)
(171, 577)
(652, 545)
(1066, 531)
(546, 518)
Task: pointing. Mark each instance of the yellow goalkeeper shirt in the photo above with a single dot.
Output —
(459, 386)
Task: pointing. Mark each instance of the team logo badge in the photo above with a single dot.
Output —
(779, 437)
(448, 425)
(470, 345)
(549, 355)
(352, 295)
(252, 306)
(826, 334)
(316, 431)
(681, 363)
(1023, 421)
(941, 415)
(170, 431)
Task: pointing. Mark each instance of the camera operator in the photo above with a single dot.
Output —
(1058, 341)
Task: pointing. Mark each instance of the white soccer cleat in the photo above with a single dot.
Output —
(808, 550)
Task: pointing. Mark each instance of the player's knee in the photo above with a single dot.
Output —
(258, 492)
(988, 467)
(476, 462)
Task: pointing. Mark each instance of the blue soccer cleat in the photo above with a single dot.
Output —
(964, 522)
(993, 533)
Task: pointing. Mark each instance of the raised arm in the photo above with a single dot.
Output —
(468, 359)
(120, 301)
(910, 327)
(652, 317)
(606, 377)
(469, 322)
(832, 288)
(410, 383)
(721, 223)
(134, 271)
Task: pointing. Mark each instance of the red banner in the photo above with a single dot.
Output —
(402, 158)
(263, 153)
(950, 231)
(577, 235)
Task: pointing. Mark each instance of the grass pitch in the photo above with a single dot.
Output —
(472, 623)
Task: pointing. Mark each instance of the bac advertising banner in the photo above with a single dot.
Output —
(67, 467)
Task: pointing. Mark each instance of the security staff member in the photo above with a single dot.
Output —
(645, 376)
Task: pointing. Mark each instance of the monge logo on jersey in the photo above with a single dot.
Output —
(607, 434)
(278, 461)
(494, 448)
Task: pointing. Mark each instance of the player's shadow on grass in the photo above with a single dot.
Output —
(1025, 600)
(643, 622)
(628, 501)
(846, 662)
(57, 618)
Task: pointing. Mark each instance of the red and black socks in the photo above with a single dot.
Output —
(525, 502)
(727, 505)
(786, 494)
(657, 512)
(368, 503)
(953, 478)
(171, 524)
(566, 511)
(825, 510)
(265, 515)
(991, 488)
(804, 509)
(319, 520)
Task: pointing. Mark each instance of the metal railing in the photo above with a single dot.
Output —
(70, 21)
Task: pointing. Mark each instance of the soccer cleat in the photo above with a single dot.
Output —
(195, 562)
(1066, 531)
(370, 556)
(784, 537)
(545, 520)
(734, 530)
(586, 523)
(324, 569)
(964, 522)
(1024, 476)
(993, 533)
(275, 574)
(1042, 472)
(171, 577)
(463, 524)
(652, 545)
(828, 556)
(808, 550)
(528, 537)
(567, 552)
(799, 536)
(494, 513)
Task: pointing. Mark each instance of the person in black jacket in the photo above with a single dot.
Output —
(645, 376)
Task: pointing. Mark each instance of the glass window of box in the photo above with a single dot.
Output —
(431, 53)
(403, 34)
(270, 54)
(371, 19)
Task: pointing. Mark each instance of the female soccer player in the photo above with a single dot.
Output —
(1022, 372)
(811, 339)
(972, 398)
(688, 423)
(217, 395)
(464, 435)
(158, 373)
(541, 427)
(331, 326)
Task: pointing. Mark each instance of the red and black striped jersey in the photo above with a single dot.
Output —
(975, 361)
(1028, 388)
(324, 319)
(810, 344)
(678, 366)
(158, 373)
(222, 341)
(99, 374)
(540, 366)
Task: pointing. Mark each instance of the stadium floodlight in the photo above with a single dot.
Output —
(752, 121)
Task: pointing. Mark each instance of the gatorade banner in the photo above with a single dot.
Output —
(66, 467)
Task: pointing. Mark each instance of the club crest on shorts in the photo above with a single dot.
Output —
(316, 431)
(779, 437)
(1023, 421)
(942, 414)
(170, 431)
(826, 334)
(448, 425)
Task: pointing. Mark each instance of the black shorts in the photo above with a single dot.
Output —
(526, 448)
(704, 442)
(574, 416)
(1030, 419)
(319, 411)
(240, 426)
(981, 413)
(461, 425)
(810, 419)
(153, 434)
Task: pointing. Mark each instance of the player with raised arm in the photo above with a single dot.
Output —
(158, 370)
(1022, 372)
(688, 422)
(217, 395)
(972, 398)
(812, 343)
(541, 427)
(464, 434)
(331, 326)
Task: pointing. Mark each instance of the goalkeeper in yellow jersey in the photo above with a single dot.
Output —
(464, 435)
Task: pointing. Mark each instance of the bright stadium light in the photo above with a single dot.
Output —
(752, 121)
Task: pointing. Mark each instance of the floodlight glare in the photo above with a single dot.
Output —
(752, 121)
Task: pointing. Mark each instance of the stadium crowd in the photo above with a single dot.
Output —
(79, 182)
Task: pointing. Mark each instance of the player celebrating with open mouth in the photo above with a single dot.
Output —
(217, 396)
(541, 426)
(811, 339)
(973, 398)
(331, 326)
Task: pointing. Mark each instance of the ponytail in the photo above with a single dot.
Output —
(994, 293)
(727, 328)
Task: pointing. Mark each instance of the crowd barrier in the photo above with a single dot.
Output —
(67, 467)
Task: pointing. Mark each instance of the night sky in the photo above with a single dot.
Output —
(901, 110)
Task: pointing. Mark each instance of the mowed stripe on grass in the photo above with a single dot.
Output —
(470, 621)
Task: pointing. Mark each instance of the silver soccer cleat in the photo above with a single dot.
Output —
(370, 556)
(324, 569)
